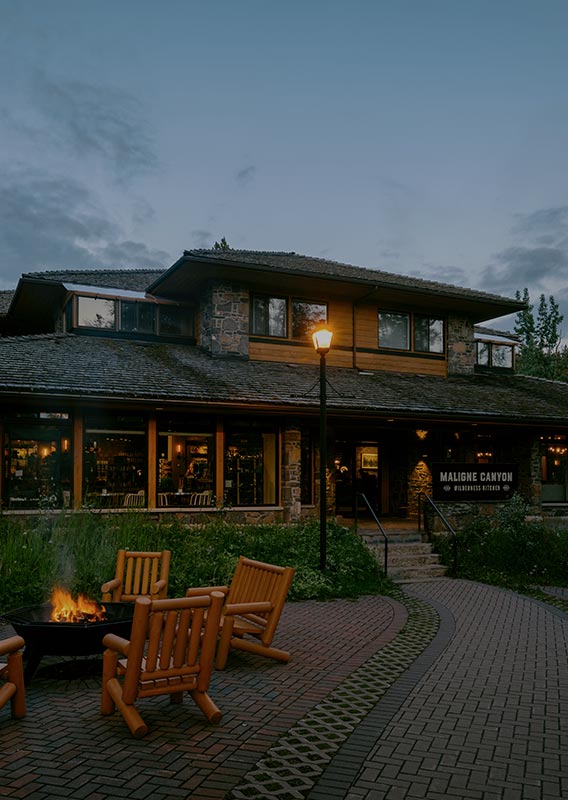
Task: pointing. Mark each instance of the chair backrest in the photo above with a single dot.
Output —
(255, 581)
(135, 498)
(138, 572)
(172, 645)
(200, 498)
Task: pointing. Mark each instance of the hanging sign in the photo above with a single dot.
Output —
(474, 481)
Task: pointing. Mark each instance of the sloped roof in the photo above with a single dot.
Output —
(133, 279)
(6, 296)
(310, 265)
(70, 366)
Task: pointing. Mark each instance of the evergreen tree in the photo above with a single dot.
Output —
(222, 245)
(541, 352)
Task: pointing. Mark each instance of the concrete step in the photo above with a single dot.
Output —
(394, 537)
(399, 574)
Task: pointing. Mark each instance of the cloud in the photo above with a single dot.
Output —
(537, 260)
(245, 176)
(202, 238)
(93, 121)
(54, 222)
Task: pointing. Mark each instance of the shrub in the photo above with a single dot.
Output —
(510, 550)
(78, 551)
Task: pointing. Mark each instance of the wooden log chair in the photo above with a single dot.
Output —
(138, 573)
(12, 676)
(253, 605)
(171, 651)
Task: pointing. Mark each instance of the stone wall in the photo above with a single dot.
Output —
(224, 312)
(461, 346)
(291, 474)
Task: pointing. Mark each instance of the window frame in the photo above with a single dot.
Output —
(290, 301)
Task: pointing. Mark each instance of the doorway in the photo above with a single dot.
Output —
(358, 470)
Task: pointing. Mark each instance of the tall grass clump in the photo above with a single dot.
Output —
(78, 552)
(510, 550)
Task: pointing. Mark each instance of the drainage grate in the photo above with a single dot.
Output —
(293, 765)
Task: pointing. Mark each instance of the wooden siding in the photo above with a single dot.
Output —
(340, 318)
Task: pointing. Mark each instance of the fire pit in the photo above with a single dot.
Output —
(77, 634)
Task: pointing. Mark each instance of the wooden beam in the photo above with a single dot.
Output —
(152, 461)
(77, 461)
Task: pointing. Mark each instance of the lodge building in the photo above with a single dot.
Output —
(196, 388)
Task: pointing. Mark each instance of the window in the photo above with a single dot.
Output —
(250, 465)
(492, 355)
(94, 312)
(114, 461)
(394, 330)
(306, 317)
(269, 316)
(428, 334)
(37, 467)
(137, 317)
(126, 316)
(502, 356)
(176, 321)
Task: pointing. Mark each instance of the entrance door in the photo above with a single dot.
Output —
(357, 471)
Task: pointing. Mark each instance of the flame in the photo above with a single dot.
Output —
(65, 609)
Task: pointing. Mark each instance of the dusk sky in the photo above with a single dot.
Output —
(423, 137)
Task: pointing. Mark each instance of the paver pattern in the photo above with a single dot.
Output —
(487, 720)
(65, 749)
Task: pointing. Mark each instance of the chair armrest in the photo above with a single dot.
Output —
(11, 645)
(158, 586)
(117, 643)
(197, 591)
(110, 585)
(260, 607)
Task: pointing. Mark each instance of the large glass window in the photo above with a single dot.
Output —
(306, 317)
(186, 468)
(428, 334)
(37, 467)
(269, 316)
(554, 468)
(502, 356)
(250, 465)
(114, 462)
(394, 330)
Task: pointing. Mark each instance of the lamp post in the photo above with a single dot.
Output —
(322, 344)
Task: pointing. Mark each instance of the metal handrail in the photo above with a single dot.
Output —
(379, 526)
(444, 522)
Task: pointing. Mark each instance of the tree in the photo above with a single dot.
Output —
(222, 245)
(541, 352)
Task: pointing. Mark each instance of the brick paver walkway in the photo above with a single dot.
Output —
(482, 714)
(65, 749)
(463, 694)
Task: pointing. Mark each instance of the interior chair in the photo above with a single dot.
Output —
(253, 605)
(171, 651)
(12, 676)
(135, 499)
(138, 573)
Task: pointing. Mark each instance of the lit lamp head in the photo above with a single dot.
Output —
(322, 341)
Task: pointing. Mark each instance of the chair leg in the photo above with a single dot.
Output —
(224, 643)
(136, 724)
(260, 649)
(206, 705)
(110, 668)
(16, 676)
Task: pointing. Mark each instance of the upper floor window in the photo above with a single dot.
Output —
(413, 332)
(306, 317)
(269, 316)
(428, 334)
(129, 317)
(275, 316)
(394, 330)
(95, 312)
(491, 354)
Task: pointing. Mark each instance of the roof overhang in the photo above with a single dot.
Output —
(190, 274)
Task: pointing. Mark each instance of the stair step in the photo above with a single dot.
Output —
(417, 573)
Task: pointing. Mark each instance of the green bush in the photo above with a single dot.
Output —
(510, 550)
(78, 552)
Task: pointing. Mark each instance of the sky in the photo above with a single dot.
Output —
(421, 137)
